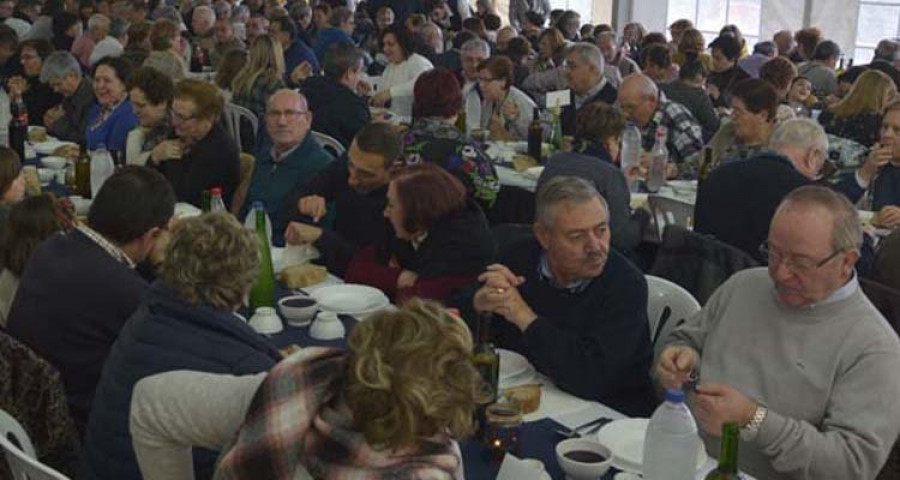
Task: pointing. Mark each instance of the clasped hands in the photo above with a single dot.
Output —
(499, 294)
(714, 404)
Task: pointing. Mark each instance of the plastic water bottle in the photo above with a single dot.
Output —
(5, 118)
(671, 444)
(631, 151)
(250, 219)
(102, 167)
(216, 204)
(659, 160)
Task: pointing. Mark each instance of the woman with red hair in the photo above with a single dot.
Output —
(433, 137)
(441, 240)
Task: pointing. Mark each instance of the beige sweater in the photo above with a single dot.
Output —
(827, 373)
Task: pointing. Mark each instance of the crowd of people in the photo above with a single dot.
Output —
(134, 316)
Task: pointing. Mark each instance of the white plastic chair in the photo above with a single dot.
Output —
(329, 143)
(22, 459)
(668, 305)
(234, 116)
(669, 211)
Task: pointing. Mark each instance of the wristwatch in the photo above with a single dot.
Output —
(751, 429)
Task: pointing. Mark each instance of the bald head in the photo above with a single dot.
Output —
(288, 119)
(639, 98)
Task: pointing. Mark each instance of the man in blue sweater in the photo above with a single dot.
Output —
(80, 286)
(576, 309)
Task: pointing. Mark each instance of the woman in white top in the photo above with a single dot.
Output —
(506, 111)
(403, 69)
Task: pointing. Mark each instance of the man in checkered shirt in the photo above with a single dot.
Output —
(642, 103)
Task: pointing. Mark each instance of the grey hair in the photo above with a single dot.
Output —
(888, 49)
(563, 189)
(801, 133)
(430, 27)
(476, 44)
(58, 65)
(588, 53)
(98, 20)
(203, 9)
(846, 231)
(340, 58)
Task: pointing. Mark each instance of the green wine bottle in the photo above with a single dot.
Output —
(263, 292)
(556, 135)
(728, 455)
(487, 362)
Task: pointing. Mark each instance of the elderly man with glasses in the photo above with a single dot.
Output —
(292, 156)
(795, 354)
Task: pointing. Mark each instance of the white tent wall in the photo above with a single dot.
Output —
(836, 18)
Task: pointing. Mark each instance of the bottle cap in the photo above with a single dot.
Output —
(215, 191)
(674, 395)
(258, 205)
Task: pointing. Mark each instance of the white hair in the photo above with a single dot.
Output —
(476, 44)
(588, 53)
(799, 133)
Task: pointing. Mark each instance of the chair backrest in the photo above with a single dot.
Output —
(20, 456)
(665, 211)
(235, 116)
(329, 143)
(248, 164)
(668, 306)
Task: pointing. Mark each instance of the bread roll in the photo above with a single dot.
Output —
(300, 276)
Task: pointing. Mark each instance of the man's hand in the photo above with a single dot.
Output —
(510, 110)
(301, 234)
(878, 157)
(53, 115)
(889, 216)
(381, 98)
(406, 279)
(18, 85)
(301, 72)
(676, 363)
(499, 295)
(717, 404)
(167, 150)
(313, 206)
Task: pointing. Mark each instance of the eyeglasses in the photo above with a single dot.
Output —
(179, 118)
(289, 114)
(487, 80)
(796, 264)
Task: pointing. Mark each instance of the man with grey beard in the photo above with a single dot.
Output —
(575, 308)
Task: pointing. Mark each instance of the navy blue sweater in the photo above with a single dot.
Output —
(594, 344)
(73, 299)
(165, 333)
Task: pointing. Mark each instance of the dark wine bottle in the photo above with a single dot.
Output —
(487, 362)
(18, 125)
(535, 136)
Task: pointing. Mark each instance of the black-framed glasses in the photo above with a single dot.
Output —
(797, 264)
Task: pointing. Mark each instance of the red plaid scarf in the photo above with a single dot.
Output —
(298, 421)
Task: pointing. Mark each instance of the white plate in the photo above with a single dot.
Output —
(351, 299)
(533, 173)
(48, 147)
(625, 439)
(186, 210)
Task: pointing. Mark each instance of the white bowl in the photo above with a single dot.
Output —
(82, 205)
(297, 316)
(327, 327)
(576, 470)
(56, 163)
(265, 321)
(46, 175)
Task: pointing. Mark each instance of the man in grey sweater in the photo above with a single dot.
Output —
(798, 356)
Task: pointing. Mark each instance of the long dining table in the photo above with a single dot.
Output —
(558, 409)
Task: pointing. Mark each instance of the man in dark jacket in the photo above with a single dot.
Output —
(68, 120)
(356, 187)
(296, 51)
(337, 109)
(584, 70)
(80, 286)
(186, 321)
(576, 309)
(738, 200)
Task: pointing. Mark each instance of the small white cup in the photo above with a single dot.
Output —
(327, 327)
(265, 321)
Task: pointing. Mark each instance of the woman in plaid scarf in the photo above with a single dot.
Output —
(391, 406)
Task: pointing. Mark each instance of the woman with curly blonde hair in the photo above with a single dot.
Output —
(393, 405)
(185, 322)
(262, 76)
